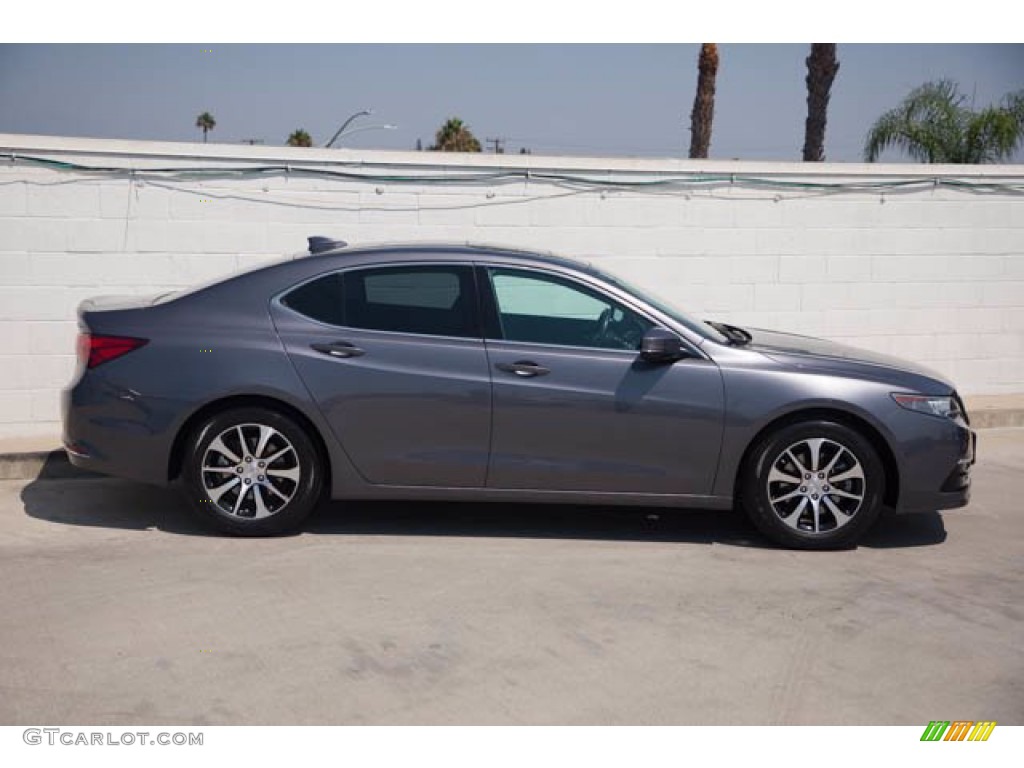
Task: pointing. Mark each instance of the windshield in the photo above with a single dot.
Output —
(695, 325)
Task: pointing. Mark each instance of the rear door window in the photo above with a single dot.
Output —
(434, 300)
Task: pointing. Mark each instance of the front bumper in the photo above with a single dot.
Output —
(939, 477)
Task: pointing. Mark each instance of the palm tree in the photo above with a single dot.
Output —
(704, 102)
(300, 138)
(822, 67)
(455, 136)
(205, 123)
(932, 125)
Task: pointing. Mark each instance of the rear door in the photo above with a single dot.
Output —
(394, 358)
(576, 409)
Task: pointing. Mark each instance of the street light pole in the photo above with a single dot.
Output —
(345, 125)
(350, 131)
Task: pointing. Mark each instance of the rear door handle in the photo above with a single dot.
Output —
(339, 349)
(523, 368)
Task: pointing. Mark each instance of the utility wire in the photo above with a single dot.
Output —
(649, 180)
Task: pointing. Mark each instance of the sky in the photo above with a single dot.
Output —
(583, 99)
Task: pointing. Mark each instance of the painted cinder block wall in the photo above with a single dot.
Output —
(933, 273)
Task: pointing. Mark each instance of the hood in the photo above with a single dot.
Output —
(809, 352)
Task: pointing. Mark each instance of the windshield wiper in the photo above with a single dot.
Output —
(733, 333)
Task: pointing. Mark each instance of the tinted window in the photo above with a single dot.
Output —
(319, 299)
(550, 310)
(434, 300)
(425, 290)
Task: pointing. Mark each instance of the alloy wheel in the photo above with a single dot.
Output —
(816, 485)
(250, 471)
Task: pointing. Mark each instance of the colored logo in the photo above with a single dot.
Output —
(958, 730)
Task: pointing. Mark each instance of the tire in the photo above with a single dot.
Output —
(275, 491)
(841, 496)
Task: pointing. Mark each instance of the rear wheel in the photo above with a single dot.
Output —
(813, 485)
(252, 472)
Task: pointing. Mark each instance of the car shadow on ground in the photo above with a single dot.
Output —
(60, 496)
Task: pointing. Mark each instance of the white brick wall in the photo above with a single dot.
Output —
(935, 274)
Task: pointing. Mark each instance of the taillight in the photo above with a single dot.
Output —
(94, 350)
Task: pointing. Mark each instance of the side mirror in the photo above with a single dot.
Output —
(660, 345)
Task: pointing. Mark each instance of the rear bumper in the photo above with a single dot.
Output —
(114, 432)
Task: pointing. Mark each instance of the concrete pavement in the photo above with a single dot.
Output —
(117, 609)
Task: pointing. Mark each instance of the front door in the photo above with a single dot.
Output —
(394, 358)
(576, 409)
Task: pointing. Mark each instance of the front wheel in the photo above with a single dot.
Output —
(813, 485)
(252, 472)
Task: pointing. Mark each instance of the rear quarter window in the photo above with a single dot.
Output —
(321, 299)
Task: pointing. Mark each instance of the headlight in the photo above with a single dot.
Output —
(933, 406)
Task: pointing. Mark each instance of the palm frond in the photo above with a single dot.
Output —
(1014, 104)
(932, 125)
(993, 135)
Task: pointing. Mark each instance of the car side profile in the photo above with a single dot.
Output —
(462, 372)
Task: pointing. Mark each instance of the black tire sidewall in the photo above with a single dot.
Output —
(307, 495)
(754, 494)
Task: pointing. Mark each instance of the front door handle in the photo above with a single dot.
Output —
(523, 368)
(339, 349)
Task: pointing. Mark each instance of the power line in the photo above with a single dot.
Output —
(682, 182)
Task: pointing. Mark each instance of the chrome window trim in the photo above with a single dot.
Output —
(615, 294)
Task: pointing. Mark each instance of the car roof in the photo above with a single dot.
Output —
(304, 265)
(467, 250)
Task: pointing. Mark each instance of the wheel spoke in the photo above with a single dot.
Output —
(271, 459)
(292, 474)
(796, 461)
(219, 446)
(815, 446)
(789, 495)
(853, 473)
(841, 516)
(221, 470)
(265, 434)
(220, 490)
(261, 508)
(241, 439)
(844, 494)
(270, 486)
(832, 463)
(778, 476)
(793, 518)
(241, 496)
(816, 508)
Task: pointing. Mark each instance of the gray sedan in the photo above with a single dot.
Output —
(461, 372)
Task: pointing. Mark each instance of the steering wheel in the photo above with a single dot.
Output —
(604, 321)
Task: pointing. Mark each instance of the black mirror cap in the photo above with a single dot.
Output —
(660, 345)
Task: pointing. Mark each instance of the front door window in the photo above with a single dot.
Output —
(546, 309)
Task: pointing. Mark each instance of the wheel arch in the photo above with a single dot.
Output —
(870, 432)
(179, 446)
